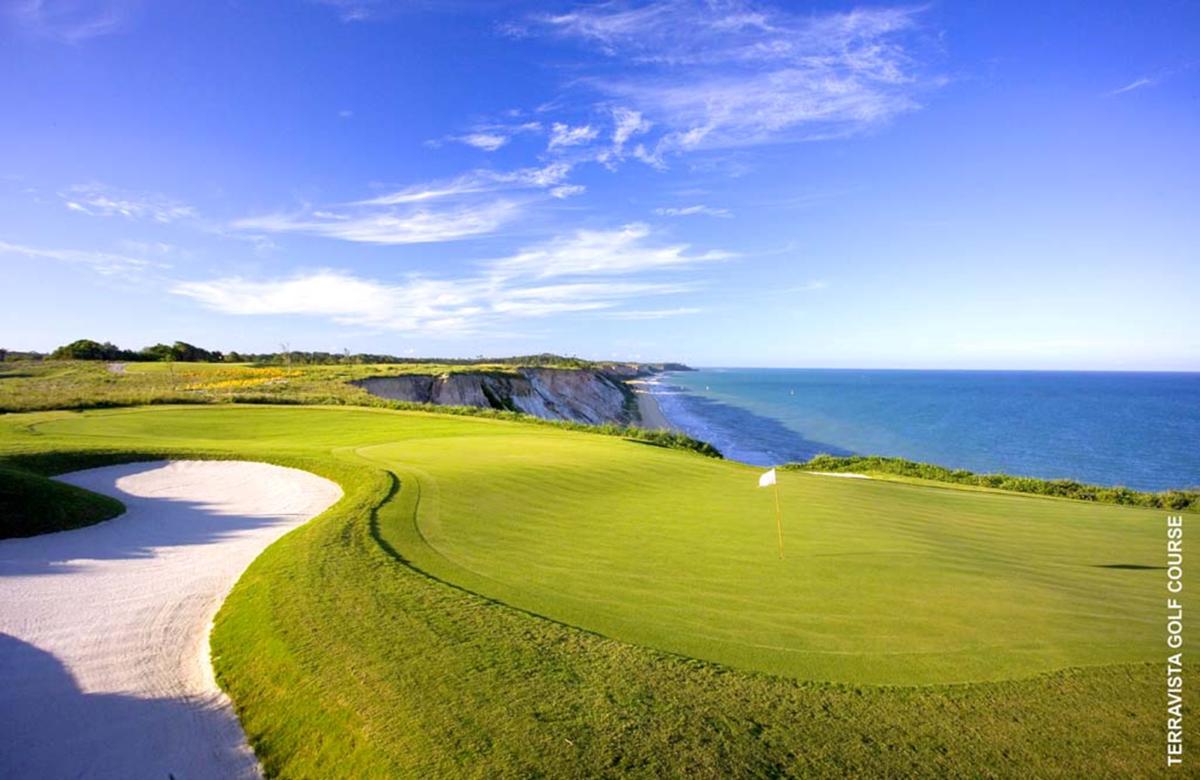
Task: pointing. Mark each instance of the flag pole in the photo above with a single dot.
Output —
(778, 520)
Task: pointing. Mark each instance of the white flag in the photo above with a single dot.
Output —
(768, 479)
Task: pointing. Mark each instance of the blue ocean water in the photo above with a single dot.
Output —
(1141, 430)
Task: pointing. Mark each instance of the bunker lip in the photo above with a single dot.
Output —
(104, 653)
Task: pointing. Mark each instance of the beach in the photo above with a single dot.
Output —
(648, 408)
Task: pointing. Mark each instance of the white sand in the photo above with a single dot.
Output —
(104, 657)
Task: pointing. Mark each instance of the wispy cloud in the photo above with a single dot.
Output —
(652, 314)
(104, 263)
(419, 226)
(491, 136)
(726, 74)
(565, 135)
(429, 306)
(360, 10)
(71, 21)
(626, 124)
(559, 276)
(588, 252)
(102, 201)
(567, 190)
(488, 142)
(475, 182)
(470, 205)
(811, 286)
(1135, 84)
(691, 211)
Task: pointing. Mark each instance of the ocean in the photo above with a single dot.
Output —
(1141, 430)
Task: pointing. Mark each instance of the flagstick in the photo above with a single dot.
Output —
(778, 520)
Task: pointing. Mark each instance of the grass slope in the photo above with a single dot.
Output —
(374, 641)
(31, 504)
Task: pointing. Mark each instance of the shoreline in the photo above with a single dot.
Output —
(652, 417)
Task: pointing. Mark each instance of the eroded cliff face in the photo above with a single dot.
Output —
(550, 393)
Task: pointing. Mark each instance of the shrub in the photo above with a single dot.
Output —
(1062, 488)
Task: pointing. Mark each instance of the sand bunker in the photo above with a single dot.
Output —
(104, 661)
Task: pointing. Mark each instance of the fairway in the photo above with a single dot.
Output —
(670, 554)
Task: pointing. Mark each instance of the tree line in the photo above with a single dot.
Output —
(183, 352)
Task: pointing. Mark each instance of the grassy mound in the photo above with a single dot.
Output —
(31, 504)
(381, 639)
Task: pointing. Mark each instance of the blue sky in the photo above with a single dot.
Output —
(951, 185)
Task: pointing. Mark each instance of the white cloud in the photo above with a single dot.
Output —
(360, 10)
(725, 74)
(688, 211)
(490, 137)
(418, 226)
(449, 210)
(104, 263)
(626, 124)
(812, 286)
(1135, 84)
(475, 182)
(432, 306)
(488, 142)
(70, 21)
(545, 176)
(567, 190)
(651, 314)
(101, 201)
(503, 290)
(566, 135)
(464, 185)
(588, 252)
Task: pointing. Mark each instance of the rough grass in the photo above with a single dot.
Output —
(347, 658)
(27, 386)
(31, 504)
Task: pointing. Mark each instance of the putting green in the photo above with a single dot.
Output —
(881, 583)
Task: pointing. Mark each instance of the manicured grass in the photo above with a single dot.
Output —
(31, 504)
(381, 638)
(881, 583)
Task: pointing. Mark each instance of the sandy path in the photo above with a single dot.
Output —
(104, 663)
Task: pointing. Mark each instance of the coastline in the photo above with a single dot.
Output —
(652, 417)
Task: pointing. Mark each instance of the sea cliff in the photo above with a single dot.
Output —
(581, 395)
